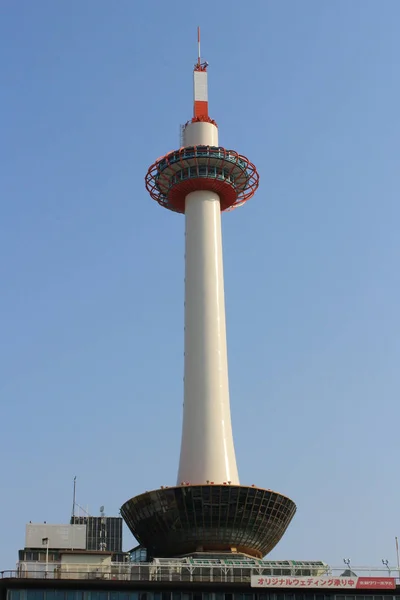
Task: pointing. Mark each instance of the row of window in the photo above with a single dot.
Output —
(129, 595)
(39, 556)
(203, 171)
(200, 152)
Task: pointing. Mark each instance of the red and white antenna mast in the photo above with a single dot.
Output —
(200, 87)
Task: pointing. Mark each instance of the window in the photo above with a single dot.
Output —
(59, 595)
(35, 595)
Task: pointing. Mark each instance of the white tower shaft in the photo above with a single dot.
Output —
(207, 450)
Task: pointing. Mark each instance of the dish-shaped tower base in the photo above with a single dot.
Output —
(208, 518)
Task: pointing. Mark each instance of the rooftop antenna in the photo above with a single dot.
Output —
(74, 499)
(103, 531)
(82, 509)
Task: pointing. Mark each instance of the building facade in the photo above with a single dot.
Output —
(102, 533)
(148, 582)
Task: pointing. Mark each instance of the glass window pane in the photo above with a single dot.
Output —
(35, 595)
(59, 594)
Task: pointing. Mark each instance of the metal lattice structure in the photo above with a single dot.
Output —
(186, 519)
(230, 175)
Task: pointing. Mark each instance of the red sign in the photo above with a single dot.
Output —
(377, 583)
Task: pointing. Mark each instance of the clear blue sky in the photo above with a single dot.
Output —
(91, 303)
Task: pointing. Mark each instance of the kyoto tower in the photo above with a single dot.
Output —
(208, 510)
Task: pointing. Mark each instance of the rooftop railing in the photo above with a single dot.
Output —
(195, 571)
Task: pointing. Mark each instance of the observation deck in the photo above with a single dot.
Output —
(192, 168)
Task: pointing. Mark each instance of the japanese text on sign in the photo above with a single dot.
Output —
(324, 582)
